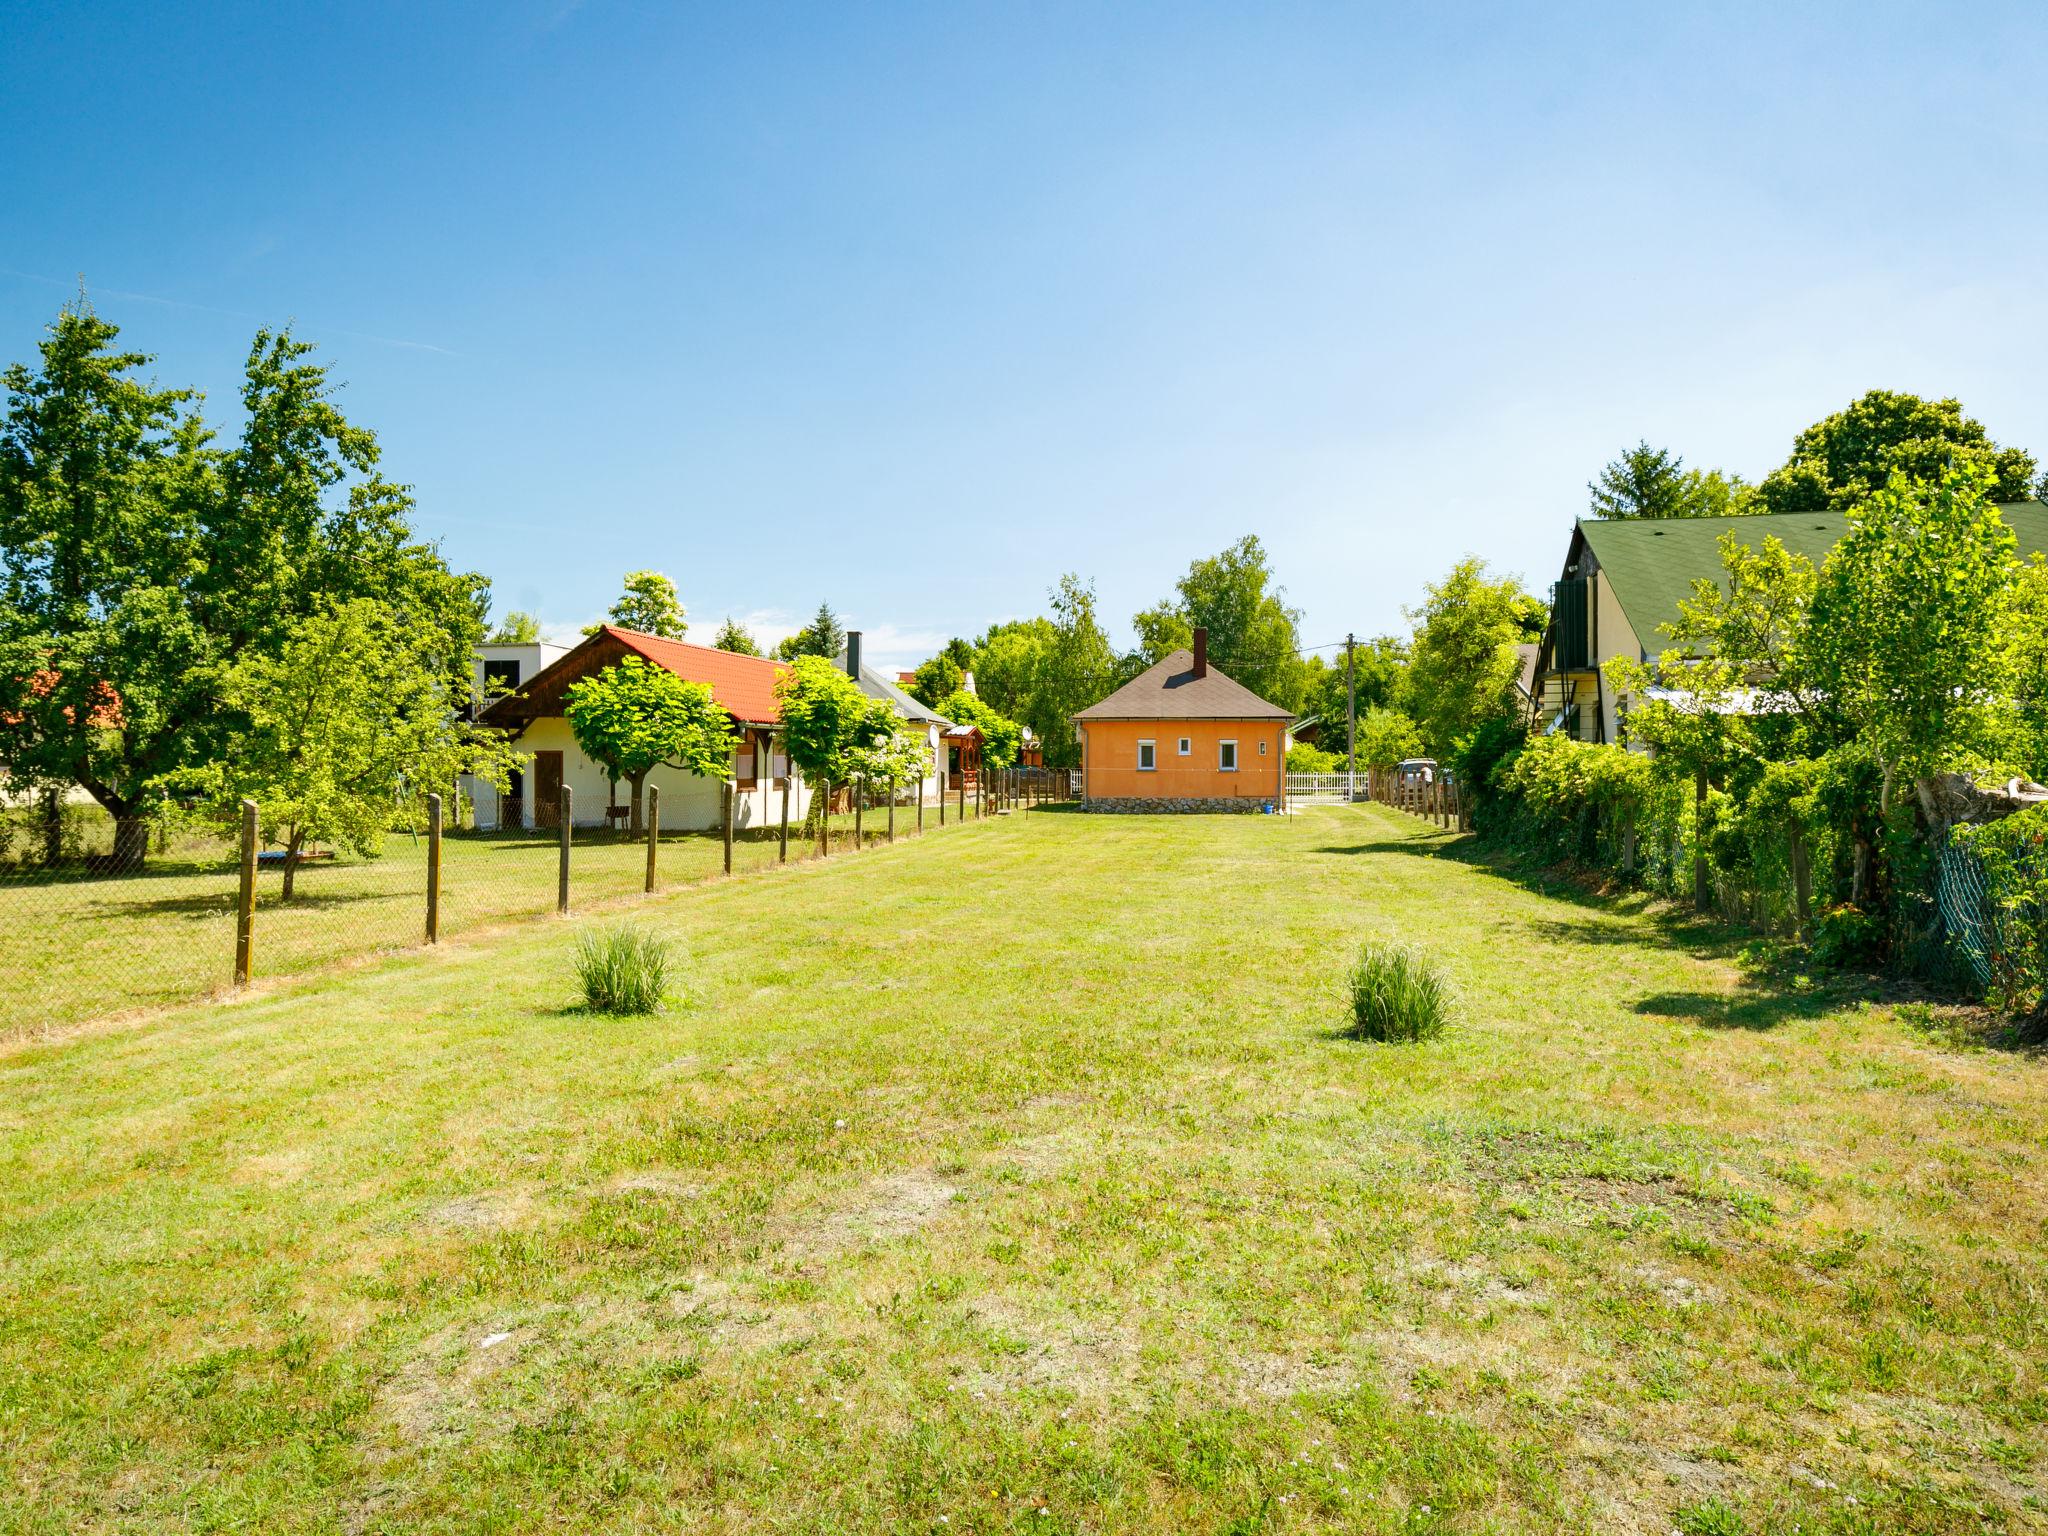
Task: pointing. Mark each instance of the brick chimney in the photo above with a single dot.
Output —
(853, 654)
(1201, 651)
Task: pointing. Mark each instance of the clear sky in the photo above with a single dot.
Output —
(913, 308)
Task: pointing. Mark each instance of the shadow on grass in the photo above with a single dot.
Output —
(1756, 1007)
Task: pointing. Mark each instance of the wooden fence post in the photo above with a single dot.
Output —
(962, 807)
(825, 821)
(892, 807)
(860, 801)
(942, 799)
(920, 802)
(1701, 892)
(732, 795)
(568, 811)
(245, 901)
(1802, 883)
(653, 830)
(433, 869)
(782, 854)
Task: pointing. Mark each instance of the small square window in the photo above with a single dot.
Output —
(1186, 746)
(1226, 756)
(1148, 756)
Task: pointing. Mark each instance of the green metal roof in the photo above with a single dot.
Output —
(1651, 565)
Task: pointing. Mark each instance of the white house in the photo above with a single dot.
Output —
(744, 686)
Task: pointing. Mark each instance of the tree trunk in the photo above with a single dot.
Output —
(1802, 884)
(1701, 893)
(638, 782)
(131, 843)
(53, 826)
(291, 863)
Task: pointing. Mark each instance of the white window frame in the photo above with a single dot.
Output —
(1148, 748)
(1231, 766)
(1187, 746)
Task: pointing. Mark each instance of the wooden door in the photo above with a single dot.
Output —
(547, 789)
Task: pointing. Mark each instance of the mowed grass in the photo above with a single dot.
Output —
(82, 946)
(1022, 1181)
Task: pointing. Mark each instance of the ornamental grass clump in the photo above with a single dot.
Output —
(1397, 994)
(623, 970)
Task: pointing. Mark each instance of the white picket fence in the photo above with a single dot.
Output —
(1323, 788)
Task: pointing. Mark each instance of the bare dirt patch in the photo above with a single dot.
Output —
(1054, 1351)
(887, 1208)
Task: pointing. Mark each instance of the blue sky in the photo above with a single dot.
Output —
(913, 308)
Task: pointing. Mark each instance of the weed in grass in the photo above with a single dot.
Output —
(1709, 1517)
(623, 970)
(1397, 994)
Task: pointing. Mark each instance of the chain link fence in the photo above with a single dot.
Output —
(83, 939)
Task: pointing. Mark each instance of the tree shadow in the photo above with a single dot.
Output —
(1755, 1007)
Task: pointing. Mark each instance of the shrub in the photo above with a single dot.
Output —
(1397, 994)
(1303, 758)
(1848, 938)
(623, 970)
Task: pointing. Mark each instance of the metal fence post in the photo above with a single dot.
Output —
(433, 869)
(245, 903)
(653, 830)
(567, 805)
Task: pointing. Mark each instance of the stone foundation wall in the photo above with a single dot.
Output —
(1241, 805)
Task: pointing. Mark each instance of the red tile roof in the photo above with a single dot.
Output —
(743, 686)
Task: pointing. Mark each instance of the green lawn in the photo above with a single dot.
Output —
(1018, 1182)
(84, 946)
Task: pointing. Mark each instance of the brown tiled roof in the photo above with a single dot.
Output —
(1169, 690)
(743, 686)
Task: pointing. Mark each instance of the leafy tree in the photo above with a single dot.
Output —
(897, 755)
(830, 728)
(140, 562)
(1380, 669)
(1462, 660)
(733, 636)
(1001, 738)
(935, 679)
(1303, 758)
(634, 717)
(649, 605)
(1076, 668)
(1253, 635)
(1850, 456)
(350, 718)
(1005, 662)
(1910, 636)
(1646, 482)
(516, 628)
(1386, 737)
(960, 653)
(824, 636)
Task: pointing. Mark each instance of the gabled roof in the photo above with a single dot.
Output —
(743, 686)
(876, 686)
(1652, 564)
(1169, 690)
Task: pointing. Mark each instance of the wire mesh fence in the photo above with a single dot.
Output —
(83, 939)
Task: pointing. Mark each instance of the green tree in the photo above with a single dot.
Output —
(1462, 661)
(960, 653)
(1253, 634)
(1380, 669)
(1386, 737)
(830, 728)
(735, 637)
(649, 605)
(1001, 738)
(1646, 482)
(349, 719)
(1005, 663)
(1077, 667)
(140, 561)
(634, 717)
(1844, 459)
(935, 679)
(824, 636)
(1910, 637)
(516, 628)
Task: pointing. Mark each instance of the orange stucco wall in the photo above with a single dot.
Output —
(1109, 759)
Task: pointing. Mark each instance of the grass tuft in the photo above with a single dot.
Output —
(623, 970)
(1397, 994)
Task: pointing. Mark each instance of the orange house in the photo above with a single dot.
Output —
(1181, 736)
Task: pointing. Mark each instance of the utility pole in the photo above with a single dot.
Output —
(1350, 721)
